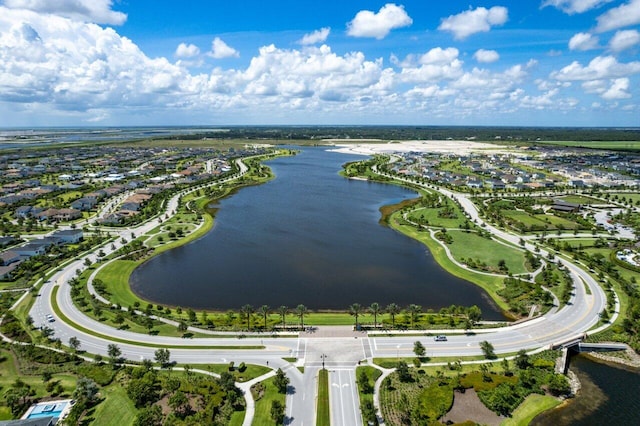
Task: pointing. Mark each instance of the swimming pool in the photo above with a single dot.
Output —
(47, 409)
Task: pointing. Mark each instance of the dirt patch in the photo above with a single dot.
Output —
(467, 406)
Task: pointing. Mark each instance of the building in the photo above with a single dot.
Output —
(69, 236)
(563, 206)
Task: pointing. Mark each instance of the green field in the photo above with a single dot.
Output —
(116, 277)
(436, 217)
(116, 410)
(532, 406)
(627, 196)
(471, 245)
(580, 199)
(539, 222)
(490, 284)
(268, 394)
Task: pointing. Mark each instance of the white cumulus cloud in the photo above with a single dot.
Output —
(575, 6)
(486, 56)
(187, 50)
(98, 11)
(619, 17)
(474, 21)
(377, 25)
(600, 67)
(623, 40)
(438, 55)
(583, 41)
(617, 90)
(220, 50)
(318, 36)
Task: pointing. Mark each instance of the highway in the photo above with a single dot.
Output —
(340, 353)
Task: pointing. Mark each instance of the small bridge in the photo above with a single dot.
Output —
(576, 344)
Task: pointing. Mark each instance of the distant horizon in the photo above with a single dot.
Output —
(223, 126)
(540, 63)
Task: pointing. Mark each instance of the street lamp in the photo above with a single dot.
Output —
(397, 351)
(323, 357)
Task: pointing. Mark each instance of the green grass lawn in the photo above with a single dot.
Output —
(9, 374)
(270, 393)
(557, 222)
(432, 218)
(116, 409)
(628, 196)
(579, 242)
(527, 220)
(372, 375)
(251, 372)
(323, 417)
(471, 245)
(116, 278)
(490, 284)
(533, 405)
(580, 199)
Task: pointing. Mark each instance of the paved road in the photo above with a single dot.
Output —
(343, 397)
(343, 353)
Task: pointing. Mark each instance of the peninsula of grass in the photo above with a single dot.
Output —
(323, 417)
(265, 394)
(470, 246)
(533, 405)
(491, 284)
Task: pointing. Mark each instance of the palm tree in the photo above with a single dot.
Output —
(247, 310)
(393, 310)
(375, 310)
(355, 310)
(283, 311)
(264, 310)
(300, 311)
(414, 310)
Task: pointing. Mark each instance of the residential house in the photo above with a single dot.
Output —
(84, 204)
(495, 184)
(5, 241)
(8, 257)
(96, 195)
(30, 249)
(59, 214)
(69, 236)
(6, 273)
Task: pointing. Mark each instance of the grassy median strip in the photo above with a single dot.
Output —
(322, 413)
(64, 318)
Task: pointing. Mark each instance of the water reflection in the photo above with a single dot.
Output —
(609, 396)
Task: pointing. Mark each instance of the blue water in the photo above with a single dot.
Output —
(309, 236)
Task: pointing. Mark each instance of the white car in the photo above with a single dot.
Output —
(440, 338)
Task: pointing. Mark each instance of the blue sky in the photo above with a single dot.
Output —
(417, 62)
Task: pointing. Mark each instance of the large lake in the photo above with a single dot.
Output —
(309, 236)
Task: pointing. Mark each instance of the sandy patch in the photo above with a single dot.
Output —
(444, 147)
(467, 406)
